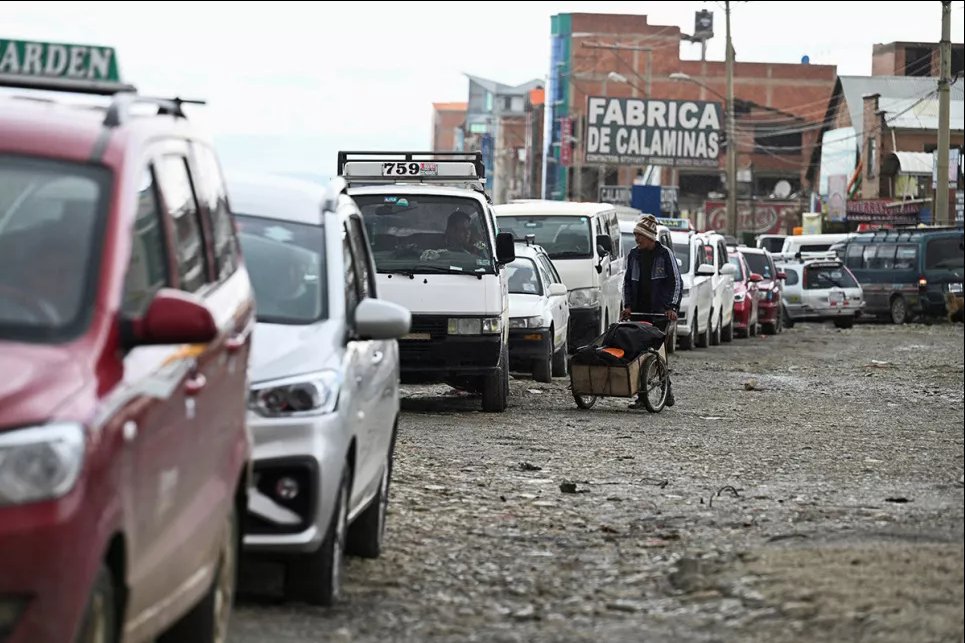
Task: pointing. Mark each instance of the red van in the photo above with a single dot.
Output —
(125, 317)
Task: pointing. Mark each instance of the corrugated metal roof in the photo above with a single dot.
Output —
(915, 162)
(897, 95)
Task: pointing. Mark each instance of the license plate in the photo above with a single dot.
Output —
(419, 337)
(836, 297)
(955, 288)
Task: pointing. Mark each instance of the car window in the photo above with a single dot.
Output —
(551, 269)
(522, 277)
(147, 269)
(352, 288)
(362, 258)
(792, 278)
(736, 262)
(884, 258)
(286, 265)
(946, 252)
(760, 264)
(906, 257)
(213, 193)
(51, 218)
(562, 237)
(682, 252)
(822, 277)
(178, 195)
(545, 276)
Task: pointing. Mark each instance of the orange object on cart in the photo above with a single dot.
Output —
(616, 352)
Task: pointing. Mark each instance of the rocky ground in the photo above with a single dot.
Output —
(805, 487)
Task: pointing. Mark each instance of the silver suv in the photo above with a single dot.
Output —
(324, 373)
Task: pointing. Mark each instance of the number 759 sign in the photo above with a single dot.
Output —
(409, 168)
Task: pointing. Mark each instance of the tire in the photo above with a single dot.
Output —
(728, 334)
(899, 310)
(786, 318)
(559, 362)
(703, 341)
(670, 345)
(495, 390)
(100, 616)
(543, 369)
(207, 622)
(584, 401)
(367, 534)
(845, 323)
(653, 383)
(316, 578)
(715, 336)
(769, 328)
(687, 343)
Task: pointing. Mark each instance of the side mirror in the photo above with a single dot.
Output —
(707, 270)
(505, 248)
(755, 278)
(728, 269)
(558, 290)
(680, 264)
(174, 317)
(604, 245)
(378, 319)
(782, 276)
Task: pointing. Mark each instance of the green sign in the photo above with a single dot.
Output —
(58, 61)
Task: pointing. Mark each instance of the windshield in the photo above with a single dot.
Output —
(51, 217)
(286, 264)
(522, 277)
(758, 263)
(821, 277)
(562, 237)
(682, 252)
(426, 233)
(628, 242)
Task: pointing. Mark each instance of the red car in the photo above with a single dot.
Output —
(125, 315)
(746, 303)
(770, 288)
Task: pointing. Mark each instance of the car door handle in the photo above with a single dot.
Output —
(195, 384)
(377, 357)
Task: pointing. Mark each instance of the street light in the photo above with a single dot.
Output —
(731, 148)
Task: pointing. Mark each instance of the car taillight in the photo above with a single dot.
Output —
(922, 283)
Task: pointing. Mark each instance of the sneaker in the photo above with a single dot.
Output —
(669, 401)
(636, 404)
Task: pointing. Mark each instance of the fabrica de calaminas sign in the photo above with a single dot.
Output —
(638, 131)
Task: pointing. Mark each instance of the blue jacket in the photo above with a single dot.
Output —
(666, 286)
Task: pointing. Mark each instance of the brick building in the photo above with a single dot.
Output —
(447, 124)
(913, 59)
(778, 108)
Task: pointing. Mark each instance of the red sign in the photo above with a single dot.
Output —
(566, 149)
(759, 217)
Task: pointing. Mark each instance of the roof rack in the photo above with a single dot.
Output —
(119, 111)
(59, 84)
(464, 169)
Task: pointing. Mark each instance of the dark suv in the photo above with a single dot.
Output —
(125, 317)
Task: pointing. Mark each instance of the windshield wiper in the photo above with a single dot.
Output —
(412, 272)
(569, 254)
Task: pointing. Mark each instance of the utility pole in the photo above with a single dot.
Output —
(945, 55)
(731, 134)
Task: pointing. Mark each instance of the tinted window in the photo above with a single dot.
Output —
(682, 252)
(906, 257)
(286, 264)
(178, 195)
(760, 264)
(854, 256)
(51, 217)
(884, 258)
(944, 253)
(352, 294)
(147, 270)
(360, 253)
(792, 277)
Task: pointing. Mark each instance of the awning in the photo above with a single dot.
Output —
(914, 163)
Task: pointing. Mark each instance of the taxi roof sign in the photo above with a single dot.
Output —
(675, 223)
(60, 67)
(413, 167)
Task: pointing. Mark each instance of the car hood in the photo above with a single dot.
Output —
(283, 350)
(525, 306)
(37, 380)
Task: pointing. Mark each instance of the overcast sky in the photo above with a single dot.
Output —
(289, 85)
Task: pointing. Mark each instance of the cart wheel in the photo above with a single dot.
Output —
(584, 401)
(653, 383)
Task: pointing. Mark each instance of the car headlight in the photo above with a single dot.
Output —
(526, 322)
(739, 297)
(310, 394)
(40, 463)
(584, 298)
(475, 325)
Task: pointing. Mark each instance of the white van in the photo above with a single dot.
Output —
(722, 313)
(809, 243)
(583, 240)
(433, 235)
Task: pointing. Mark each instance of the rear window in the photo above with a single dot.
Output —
(522, 277)
(682, 252)
(760, 264)
(736, 262)
(52, 215)
(946, 252)
(823, 277)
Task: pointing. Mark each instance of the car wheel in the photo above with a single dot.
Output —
(559, 362)
(899, 310)
(316, 578)
(671, 343)
(100, 617)
(366, 534)
(844, 322)
(495, 393)
(728, 334)
(208, 621)
(543, 368)
(703, 340)
(687, 343)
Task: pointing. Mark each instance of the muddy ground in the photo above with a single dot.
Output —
(805, 487)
